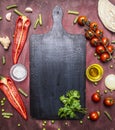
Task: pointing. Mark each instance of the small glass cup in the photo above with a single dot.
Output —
(18, 72)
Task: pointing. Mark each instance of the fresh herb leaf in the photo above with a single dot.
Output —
(71, 102)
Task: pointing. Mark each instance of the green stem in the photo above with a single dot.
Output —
(22, 92)
(18, 12)
(108, 115)
(11, 6)
(36, 23)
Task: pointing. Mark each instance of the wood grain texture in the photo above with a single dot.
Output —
(85, 7)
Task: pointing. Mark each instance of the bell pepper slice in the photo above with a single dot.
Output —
(9, 89)
(20, 36)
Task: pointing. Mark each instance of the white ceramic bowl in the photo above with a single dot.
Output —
(18, 72)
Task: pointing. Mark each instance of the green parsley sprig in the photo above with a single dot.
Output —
(71, 102)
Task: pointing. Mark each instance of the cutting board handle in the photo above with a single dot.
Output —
(57, 15)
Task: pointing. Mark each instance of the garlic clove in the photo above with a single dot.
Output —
(8, 16)
(28, 10)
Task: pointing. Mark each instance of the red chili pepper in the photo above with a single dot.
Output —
(9, 89)
(20, 36)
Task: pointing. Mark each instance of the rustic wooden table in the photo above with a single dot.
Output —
(84, 7)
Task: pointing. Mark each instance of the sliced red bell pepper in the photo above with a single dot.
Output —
(9, 89)
(20, 36)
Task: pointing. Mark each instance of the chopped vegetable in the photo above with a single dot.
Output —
(75, 20)
(29, 10)
(5, 42)
(3, 110)
(38, 21)
(110, 81)
(11, 6)
(66, 123)
(96, 83)
(6, 117)
(113, 42)
(105, 91)
(9, 89)
(108, 115)
(19, 125)
(4, 99)
(52, 121)
(0, 18)
(8, 16)
(7, 114)
(2, 104)
(20, 36)
(98, 91)
(1, 101)
(22, 92)
(81, 122)
(18, 12)
(44, 122)
(72, 105)
(88, 117)
(3, 60)
(111, 66)
(73, 12)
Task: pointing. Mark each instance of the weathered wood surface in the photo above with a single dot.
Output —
(85, 7)
(56, 66)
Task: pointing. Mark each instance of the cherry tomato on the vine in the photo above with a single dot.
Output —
(96, 97)
(104, 57)
(109, 101)
(94, 42)
(100, 49)
(105, 41)
(110, 48)
(99, 33)
(82, 20)
(93, 26)
(94, 115)
(89, 34)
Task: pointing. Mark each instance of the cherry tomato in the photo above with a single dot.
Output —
(105, 41)
(94, 115)
(82, 20)
(100, 49)
(110, 48)
(93, 26)
(109, 101)
(94, 42)
(99, 33)
(105, 57)
(96, 97)
(89, 34)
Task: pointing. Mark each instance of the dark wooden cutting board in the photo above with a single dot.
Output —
(57, 64)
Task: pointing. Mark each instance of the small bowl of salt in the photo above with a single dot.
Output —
(18, 72)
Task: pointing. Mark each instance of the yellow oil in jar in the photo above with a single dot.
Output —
(93, 72)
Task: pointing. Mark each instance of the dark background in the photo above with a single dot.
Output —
(85, 7)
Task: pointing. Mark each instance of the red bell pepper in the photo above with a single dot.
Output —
(9, 89)
(20, 36)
